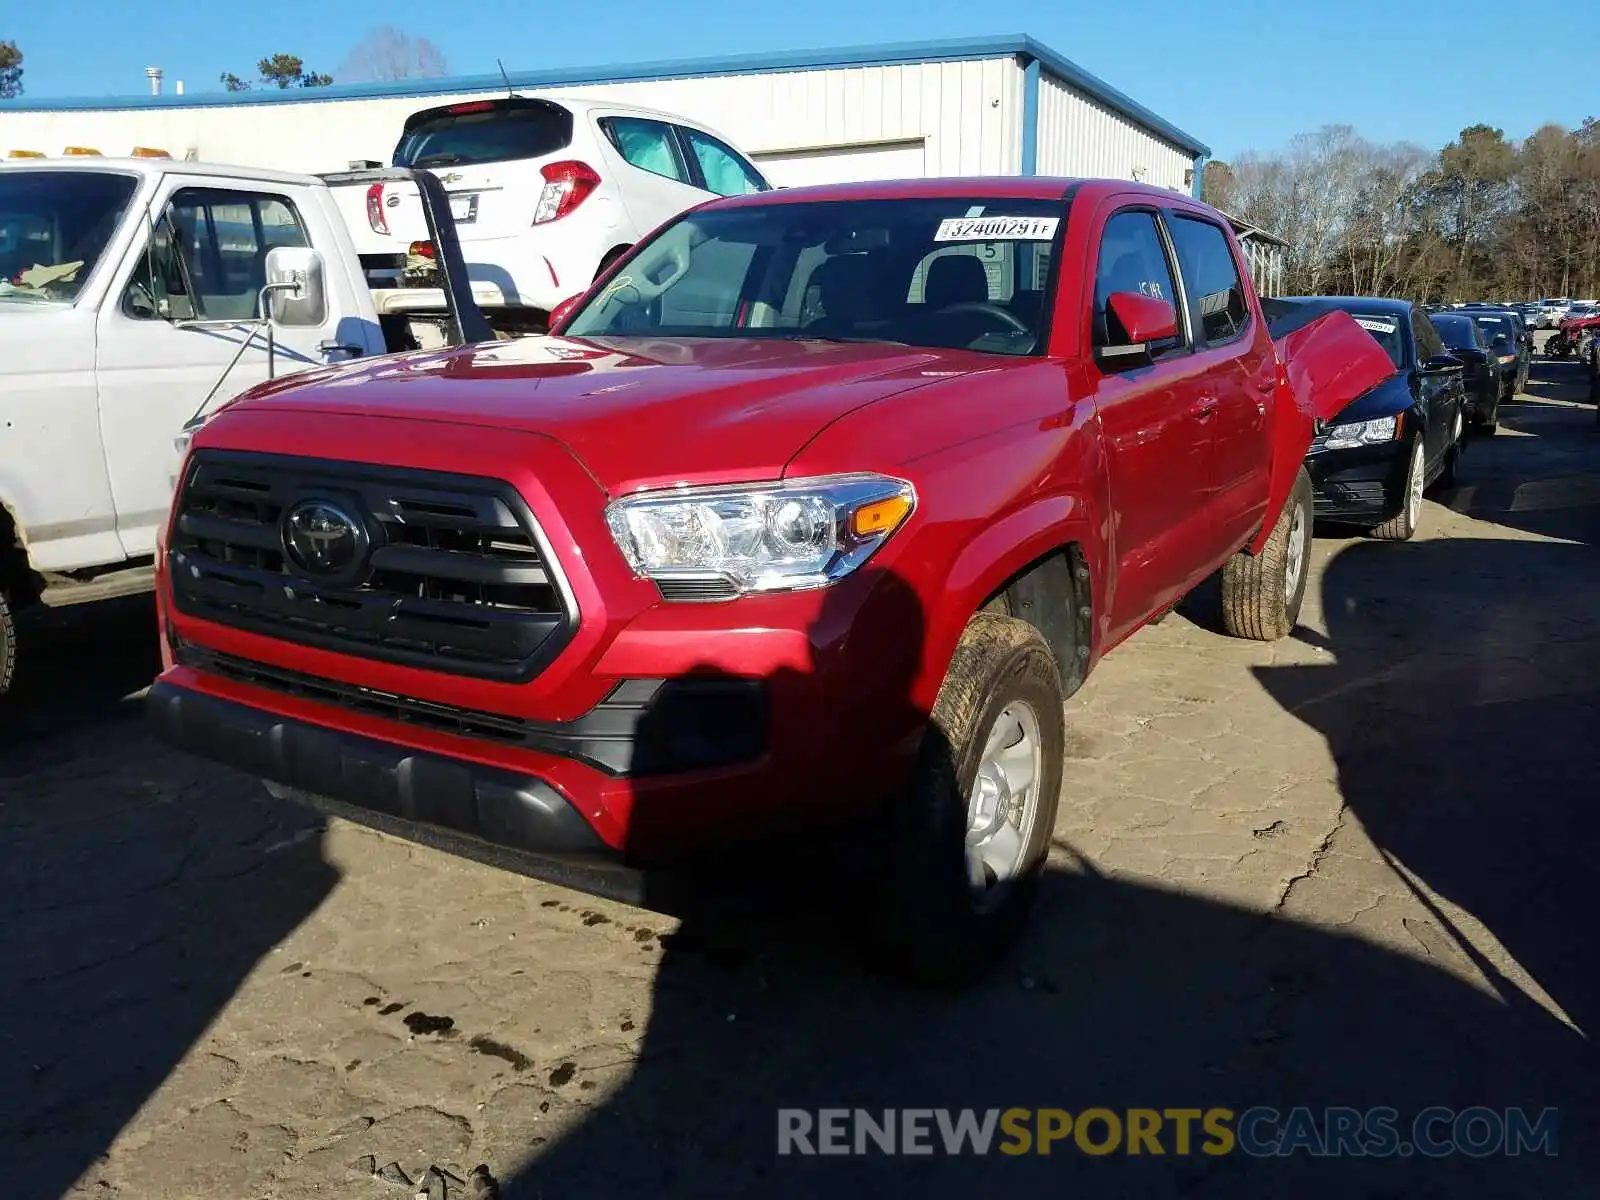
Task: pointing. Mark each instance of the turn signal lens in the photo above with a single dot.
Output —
(880, 518)
(85, 150)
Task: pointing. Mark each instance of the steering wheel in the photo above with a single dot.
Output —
(1004, 315)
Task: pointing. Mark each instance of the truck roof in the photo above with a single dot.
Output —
(1013, 187)
(158, 166)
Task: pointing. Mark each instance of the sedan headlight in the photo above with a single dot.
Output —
(804, 533)
(1364, 433)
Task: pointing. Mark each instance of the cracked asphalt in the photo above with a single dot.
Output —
(1352, 868)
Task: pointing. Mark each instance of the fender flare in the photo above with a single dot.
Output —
(1002, 550)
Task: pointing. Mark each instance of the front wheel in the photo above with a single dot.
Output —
(1262, 593)
(1402, 527)
(971, 833)
(1451, 475)
(8, 646)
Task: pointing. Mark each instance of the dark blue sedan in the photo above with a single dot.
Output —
(1371, 466)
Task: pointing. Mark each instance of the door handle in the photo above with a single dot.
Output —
(1203, 409)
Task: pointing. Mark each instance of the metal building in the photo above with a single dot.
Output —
(1000, 105)
(1265, 253)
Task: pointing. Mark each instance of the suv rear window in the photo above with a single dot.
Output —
(483, 131)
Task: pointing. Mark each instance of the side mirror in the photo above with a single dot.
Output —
(1145, 318)
(1440, 363)
(1146, 321)
(297, 287)
(562, 311)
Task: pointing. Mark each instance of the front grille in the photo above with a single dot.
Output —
(456, 576)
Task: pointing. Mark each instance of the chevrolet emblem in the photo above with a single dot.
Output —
(450, 178)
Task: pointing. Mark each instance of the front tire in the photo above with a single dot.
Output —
(1402, 527)
(8, 646)
(1262, 593)
(1450, 476)
(971, 833)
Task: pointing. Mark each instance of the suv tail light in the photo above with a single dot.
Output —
(566, 185)
(375, 217)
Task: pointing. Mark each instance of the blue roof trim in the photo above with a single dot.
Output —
(1070, 72)
(1030, 117)
(894, 54)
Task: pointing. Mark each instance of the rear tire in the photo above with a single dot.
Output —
(970, 835)
(8, 646)
(1262, 593)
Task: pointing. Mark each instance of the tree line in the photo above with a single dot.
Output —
(383, 55)
(1485, 218)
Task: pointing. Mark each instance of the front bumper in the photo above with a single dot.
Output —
(1362, 485)
(508, 818)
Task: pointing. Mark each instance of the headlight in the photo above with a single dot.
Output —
(805, 533)
(1364, 433)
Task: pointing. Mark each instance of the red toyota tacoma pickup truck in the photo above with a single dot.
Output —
(807, 516)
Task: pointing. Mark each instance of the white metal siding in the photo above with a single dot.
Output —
(968, 114)
(1079, 136)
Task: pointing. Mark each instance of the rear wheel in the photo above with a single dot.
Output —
(1262, 593)
(1402, 527)
(971, 833)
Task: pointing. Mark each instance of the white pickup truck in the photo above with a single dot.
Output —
(131, 302)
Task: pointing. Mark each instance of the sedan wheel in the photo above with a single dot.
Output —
(1403, 526)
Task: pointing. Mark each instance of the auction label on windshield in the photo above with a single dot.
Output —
(996, 229)
(1377, 324)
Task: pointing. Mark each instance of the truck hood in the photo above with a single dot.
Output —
(706, 409)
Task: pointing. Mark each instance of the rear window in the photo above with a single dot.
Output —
(483, 131)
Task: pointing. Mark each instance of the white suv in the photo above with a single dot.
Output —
(546, 191)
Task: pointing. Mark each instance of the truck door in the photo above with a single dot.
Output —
(1239, 373)
(203, 258)
(1156, 417)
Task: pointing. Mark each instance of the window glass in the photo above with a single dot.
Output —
(208, 256)
(1429, 343)
(648, 145)
(1387, 330)
(1132, 259)
(861, 270)
(484, 131)
(1216, 294)
(725, 172)
(54, 225)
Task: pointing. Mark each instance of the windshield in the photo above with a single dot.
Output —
(483, 131)
(54, 225)
(1388, 333)
(1459, 333)
(970, 273)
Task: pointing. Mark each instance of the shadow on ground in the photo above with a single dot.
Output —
(1460, 702)
(140, 889)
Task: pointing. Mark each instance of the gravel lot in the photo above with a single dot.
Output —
(1353, 868)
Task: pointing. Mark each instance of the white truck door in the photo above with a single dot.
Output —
(203, 259)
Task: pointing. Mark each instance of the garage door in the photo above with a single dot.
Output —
(844, 164)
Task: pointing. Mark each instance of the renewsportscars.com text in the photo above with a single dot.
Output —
(1258, 1132)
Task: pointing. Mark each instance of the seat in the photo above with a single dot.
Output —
(847, 291)
(955, 279)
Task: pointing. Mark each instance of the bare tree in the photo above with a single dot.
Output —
(387, 54)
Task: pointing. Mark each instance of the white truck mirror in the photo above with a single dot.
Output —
(297, 289)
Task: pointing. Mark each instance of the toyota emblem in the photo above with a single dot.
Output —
(323, 540)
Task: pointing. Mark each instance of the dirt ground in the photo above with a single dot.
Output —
(1353, 868)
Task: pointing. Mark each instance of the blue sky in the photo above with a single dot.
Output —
(1237, 75)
